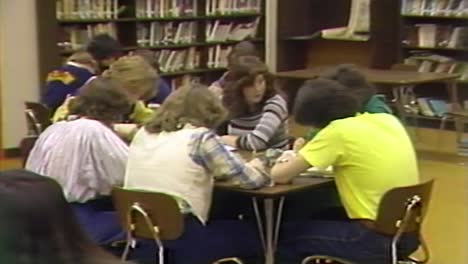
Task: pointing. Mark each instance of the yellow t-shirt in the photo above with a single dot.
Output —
(370, 154)
(141, 114)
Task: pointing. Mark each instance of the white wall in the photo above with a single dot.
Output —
(19, 79)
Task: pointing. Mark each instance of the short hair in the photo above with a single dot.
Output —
(134, 74)
(243, 48)
(321, 101)
(38, 224)
(191, 104)
(149, 56)
(350, 77)
(104, 46)
(83, 57)
(103, 100)
(241, 75)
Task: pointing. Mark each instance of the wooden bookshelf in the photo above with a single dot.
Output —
(129, 20)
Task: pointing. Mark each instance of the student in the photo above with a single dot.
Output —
(370, 154)
(243, 48)
(350, 77)
(137, 77)
(178, 153)
(258, 114)
(105, 50)
(162, 88)
(87, 157)
(67, 79)
(37, 225)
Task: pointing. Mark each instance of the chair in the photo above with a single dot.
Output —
(150, 215)
(26, 146)
(37, 117)
(401, 210)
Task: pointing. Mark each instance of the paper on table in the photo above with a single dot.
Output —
(314, 171)
(230, 148)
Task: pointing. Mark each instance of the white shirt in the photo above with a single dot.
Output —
(84, 156)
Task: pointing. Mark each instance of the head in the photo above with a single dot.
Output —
(84, 58)
(243, 48)
(321, 101)
(135, 75)
(250, 84)
(149, 56)
(105, 49)
(38, 225)
(349, 76)
(192, 104)
(103, 100)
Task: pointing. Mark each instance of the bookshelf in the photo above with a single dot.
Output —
(190, 37)
(434, 39)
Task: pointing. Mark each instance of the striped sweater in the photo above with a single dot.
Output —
(266, 129)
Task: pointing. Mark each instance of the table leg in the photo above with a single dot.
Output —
(269, 225)
(259, 223)
(279, 215)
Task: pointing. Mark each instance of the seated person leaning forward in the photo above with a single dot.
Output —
(370, 154)
(258, 114)
(179, 154)
(86, 157)
(137, 77)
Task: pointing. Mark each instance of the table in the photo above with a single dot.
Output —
(269, 232)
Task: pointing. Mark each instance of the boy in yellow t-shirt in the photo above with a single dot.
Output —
(370, 154)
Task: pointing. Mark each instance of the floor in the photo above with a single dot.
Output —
(446, 227)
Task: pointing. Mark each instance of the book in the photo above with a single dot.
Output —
(358, 24)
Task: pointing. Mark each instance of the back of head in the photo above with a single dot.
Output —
(83, 57)
(350, 77)
(149, 56)
(134, 74)
(192, 104)
(321, 101)
(37, 225)
(101, 99)
(243, 48)
(103, 46)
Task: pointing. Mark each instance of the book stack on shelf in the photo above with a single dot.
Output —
(189, 36)
(429, 62)
(433, 107)
(437, 36)
(455, 8)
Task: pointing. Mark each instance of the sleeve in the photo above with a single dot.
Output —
(110, 155)
(324, 150)
(376, 104)
(274, 114)
(141, 114)
(56, 93)
(311, 134)
(208, 151)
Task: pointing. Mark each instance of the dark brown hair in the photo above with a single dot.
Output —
(192, 104)
(321, 101)
(241, 49)
(350, 77)
(38, 226)
(103, 100)
(241, 75)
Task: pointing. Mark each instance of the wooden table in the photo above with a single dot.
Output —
(270, 231)
(401, 82)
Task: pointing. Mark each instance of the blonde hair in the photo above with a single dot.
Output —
(134, 74)
(192, 104)
(83, 57)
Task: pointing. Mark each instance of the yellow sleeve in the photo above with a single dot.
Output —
(324, 150)
(141, 114)
(61, 113)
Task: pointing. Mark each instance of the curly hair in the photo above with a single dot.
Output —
(103, 100)
(134, 74)
(350, 77)
(192, 104)
(241, 75)
(321, 101)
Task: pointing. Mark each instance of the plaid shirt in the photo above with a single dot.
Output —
(209, 152)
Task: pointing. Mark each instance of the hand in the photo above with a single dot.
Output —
(298, 144)
(259, 165)
(286, 156)
(229, 140)
(217, 90)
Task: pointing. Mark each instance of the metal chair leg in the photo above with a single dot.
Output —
(229, 260)
(324, 259)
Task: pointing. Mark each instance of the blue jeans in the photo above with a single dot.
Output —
(201, 244)
(349, 240)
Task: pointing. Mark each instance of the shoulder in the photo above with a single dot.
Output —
(376, 104)
(276, 104)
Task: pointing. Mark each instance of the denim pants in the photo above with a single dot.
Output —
(348, 240)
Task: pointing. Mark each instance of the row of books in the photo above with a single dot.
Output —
(223, 31)
(218, 56)
(178, 60)
(432, 107)
(224, 7)
(76, 37)
(435, 7)
(439, 64)
(164, 33)
(433, 35)
(87, 9)
(165, 8)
